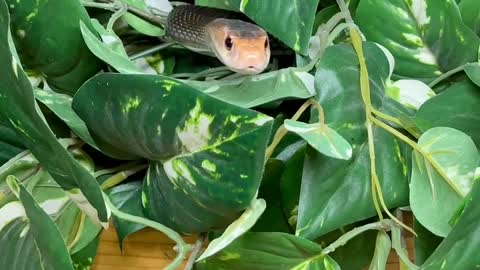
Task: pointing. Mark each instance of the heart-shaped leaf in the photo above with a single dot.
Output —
(206, 155)
(64, 58)
(321, 138)
(434, 199)
(426, 37)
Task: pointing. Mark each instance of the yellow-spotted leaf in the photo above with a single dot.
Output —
(321, 138)
(206, 156)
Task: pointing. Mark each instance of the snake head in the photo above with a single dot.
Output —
(241, 46)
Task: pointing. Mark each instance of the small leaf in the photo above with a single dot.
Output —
(257, 90)
(410, 93)
(268, 251)
(433, 198)
(236, 229)
(109, 48)
(141, 25)
(48, 240)
(61, 105)
(321, 138)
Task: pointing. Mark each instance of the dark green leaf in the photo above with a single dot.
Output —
(269, 251)
(334, 192)
(10, 143)
(63, 56)
(455, 108)
(425, 243)
(128, 198)
(427, 37)
(206, 154)
(84, 259)
(19, 107)
(473, 72)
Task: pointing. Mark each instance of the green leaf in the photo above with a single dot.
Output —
(410, 93)
(63, 56)
(295, 27)
(128, 198)
(84, 259)
(205, 154)
(459, 250)
(455, 107)
(382, 250)
(268, 251)
(19, 108)
(108, 47)
(257, 90)
(473, 72)
(425, 243)
(236, 229)
(48, 240)
(426, 37)
(272, 219)
(61, 105)
(10, 143)
(337, 84)
(141, 25)
(470, 11)
(321, 138)
(434, 199)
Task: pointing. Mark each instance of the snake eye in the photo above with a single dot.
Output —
(266, 43)
(228, 43)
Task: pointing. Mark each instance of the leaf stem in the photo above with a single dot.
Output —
(282, 131)
(183, 248)
(446, 75)
(121, 176)
(383, 225)
(116, 15)
(196, 250)
(151, 50)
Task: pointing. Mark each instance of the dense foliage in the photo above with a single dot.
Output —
(368, 112)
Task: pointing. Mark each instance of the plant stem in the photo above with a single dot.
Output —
(183, 247)
(79, 231)
(282, 131)
(383, 225)
(150, 51)
(116, 15)
(121, 176)
(446, 75)
(207, 72)
(196, 250)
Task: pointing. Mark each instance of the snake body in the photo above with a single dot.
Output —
(242, 46)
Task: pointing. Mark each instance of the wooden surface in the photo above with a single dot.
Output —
(151, 250)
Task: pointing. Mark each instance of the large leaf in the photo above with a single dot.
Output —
(19, 108)
(49, 41)
(268, 251)
(206, 156)
(336, 192)
(427, 37)
(295, 27)
(425, 243)
(48, 242)
(455, 107)
(460, 249)
(434, 199)
(256, 90)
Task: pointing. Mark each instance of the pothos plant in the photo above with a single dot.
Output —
(368, 110)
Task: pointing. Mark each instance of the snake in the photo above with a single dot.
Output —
(239, 44)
